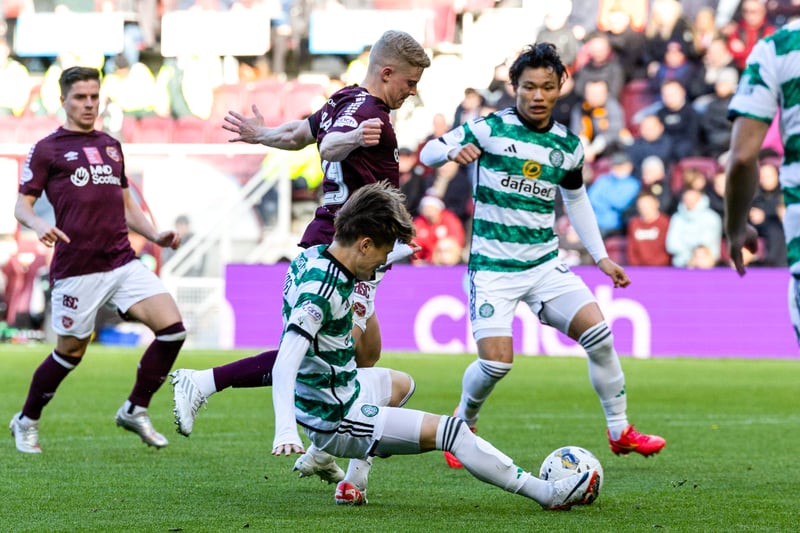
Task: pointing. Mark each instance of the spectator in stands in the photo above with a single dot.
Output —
(675, 66)
(583, 18)
(627, 43)
(681, 122)
(635, 10)
(567, 100)
(556, 30)
(600, 64)
(470, 107)
(702, 257)
(435, 222)
(651, 141)
(15, 83)
(457, 195)
(743, 35)
(415, 179)
(186, 85)
(656, 182)
(666, 24)
(716, 59)
(599, 121)
(647, 233)
(715, 128)
(715, 190)
(613, 193)
(693, 224)
(704, 30)
(500, 92)
(448, 252)
(766, 213)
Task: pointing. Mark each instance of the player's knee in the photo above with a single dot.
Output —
(403, 387)
(174, 333)
(598, 341)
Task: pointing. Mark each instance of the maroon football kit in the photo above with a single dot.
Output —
(343, 112)
(83, 175)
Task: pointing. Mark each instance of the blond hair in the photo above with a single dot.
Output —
(397, 46)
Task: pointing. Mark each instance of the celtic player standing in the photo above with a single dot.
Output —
(522, 157)
(770, 84)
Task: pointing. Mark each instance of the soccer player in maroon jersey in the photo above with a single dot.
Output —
(358, 146)
(83, 173)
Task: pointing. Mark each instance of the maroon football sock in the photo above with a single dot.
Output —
(156, 363)
(254, 371)
(46, 380)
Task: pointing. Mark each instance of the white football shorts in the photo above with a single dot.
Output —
(494, 296)
(363, 424)
(76, 300)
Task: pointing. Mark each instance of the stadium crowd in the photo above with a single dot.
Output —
(649, 85)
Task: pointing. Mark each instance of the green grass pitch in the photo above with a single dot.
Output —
(730, 464)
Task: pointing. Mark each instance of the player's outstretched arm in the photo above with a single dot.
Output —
(292, 135)
(292, 349)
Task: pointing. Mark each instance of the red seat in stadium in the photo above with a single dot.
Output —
(708, 166)
(34, 127)
(189, 130)
(635, 96)
(301, 99)
(153, 129)
(268, 95)
(617, 248)
(8, 128)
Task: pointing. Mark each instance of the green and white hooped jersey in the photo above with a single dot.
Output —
(317, 303)
(770, 83)
(514, 189)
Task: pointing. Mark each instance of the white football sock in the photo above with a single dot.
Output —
(487, 463)
(479, 380)
(606, 376)
(205, 381)
(358, 472)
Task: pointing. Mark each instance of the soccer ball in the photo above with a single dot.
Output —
(568, 461)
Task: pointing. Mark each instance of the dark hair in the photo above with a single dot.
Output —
(376, 211)
(73, 75)
(538, 55)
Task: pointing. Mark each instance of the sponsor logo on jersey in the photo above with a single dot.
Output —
(512, 149)
(531, 187)
(531, 170)
(369, 410)
(345, 122)
(27, 175)
(80, 177)
(93, 155)
(72, 155)
(486, 310)
(113, 153)
(312, 311)
(67, 322)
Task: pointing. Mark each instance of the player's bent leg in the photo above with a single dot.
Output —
(403, 387)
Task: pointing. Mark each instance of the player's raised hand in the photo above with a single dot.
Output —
(747, 238)
(247, 129)
(287, 449)
(615, 272)
(370, 132)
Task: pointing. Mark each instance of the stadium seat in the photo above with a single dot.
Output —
(268, 95)
(229, 97)
(33, 128)
(153, 129)
(635, 96)
(725, 256)
(301, 99)
(189, 130)
(708, 166)
(617, 248)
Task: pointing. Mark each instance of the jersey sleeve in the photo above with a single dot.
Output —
(35, 171)
(758, 93)
(309, 311)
